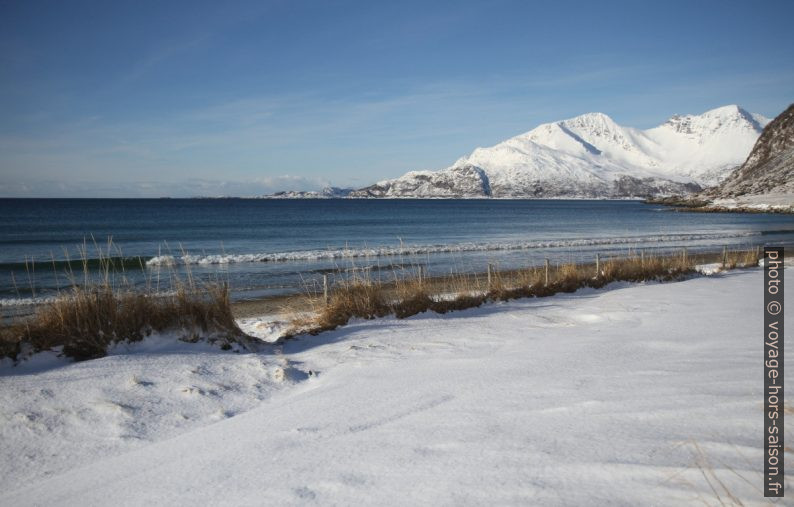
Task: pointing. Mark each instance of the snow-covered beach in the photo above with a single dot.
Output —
(395, 253)
(636, 394)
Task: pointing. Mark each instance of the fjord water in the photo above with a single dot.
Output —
(265, 247)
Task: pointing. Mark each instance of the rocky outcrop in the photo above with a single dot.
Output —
(461, 182)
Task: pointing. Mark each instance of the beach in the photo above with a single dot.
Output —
(631, 394)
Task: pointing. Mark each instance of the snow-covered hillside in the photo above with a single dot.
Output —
(639, 395)
(592, 156)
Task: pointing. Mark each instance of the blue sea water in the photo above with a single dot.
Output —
(268, 247)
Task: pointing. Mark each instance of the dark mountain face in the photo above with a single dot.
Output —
(770, 166)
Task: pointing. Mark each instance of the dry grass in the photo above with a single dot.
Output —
(88, 320)
(95, 313)
(407, 296)
(741, 258)
(101, 308)
(356, 299)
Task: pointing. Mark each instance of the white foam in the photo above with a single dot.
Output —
(29, 301)
(410, 250)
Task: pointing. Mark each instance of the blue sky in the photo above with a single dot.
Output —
(152, 98)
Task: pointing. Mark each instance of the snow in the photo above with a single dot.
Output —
(625, 396)
(773, 201)
(708, 147)
(585, 155)
(57, 415)
(268, 328)
(709, 269)
(686, 148)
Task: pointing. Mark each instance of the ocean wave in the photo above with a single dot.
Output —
(26, 301)
(52, 298)
(414, 250)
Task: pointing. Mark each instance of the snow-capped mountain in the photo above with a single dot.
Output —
(592, 156)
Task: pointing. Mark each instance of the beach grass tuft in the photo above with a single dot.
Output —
(100, 308)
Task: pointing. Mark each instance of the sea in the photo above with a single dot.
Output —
(268, 247)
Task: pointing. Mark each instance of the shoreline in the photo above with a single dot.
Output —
(303, 302)
(92, 321)
(683, 204)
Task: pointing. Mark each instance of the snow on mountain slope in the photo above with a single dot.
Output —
(592, 156)
(708, 147)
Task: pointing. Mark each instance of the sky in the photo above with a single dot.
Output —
(150, 98)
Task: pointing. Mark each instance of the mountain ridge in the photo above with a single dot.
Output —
(591, 156)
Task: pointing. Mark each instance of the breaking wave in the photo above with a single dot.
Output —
(26, 301)
(414, 250)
